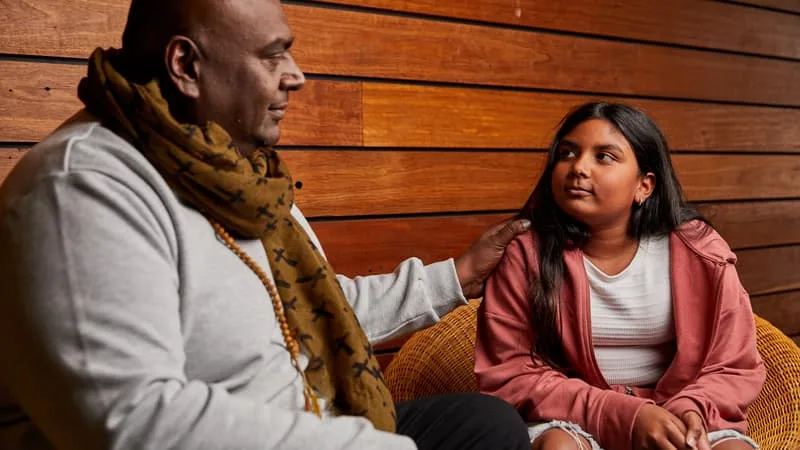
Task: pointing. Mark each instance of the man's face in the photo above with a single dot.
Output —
(246, 70)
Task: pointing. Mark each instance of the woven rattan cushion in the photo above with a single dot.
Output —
(440, 360)
(775, 416)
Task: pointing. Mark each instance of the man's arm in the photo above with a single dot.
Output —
(91, 338)
(411, 298)
(415, 295)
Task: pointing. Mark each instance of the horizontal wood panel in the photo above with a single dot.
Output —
(738, 177)
(361, 247)
(784, 5)
(324, 113)
(769, 270)
(695, 23)
(757, 224)
(355, 183)
(59, 28)
(419, 181)
(369, 45)
(36, 97)
(422, 116)
(781, 310)
(8, 159)
(352, 183)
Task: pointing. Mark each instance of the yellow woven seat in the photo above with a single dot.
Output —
(440, 360)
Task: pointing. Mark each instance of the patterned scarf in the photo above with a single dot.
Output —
(252, 198)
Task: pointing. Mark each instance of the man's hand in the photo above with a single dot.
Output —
(655, 428)
(475, 265)
(696, 435)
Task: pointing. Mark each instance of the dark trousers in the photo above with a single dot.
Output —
(462, 422)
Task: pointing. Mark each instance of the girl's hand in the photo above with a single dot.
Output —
(696, 435)
(655, 428)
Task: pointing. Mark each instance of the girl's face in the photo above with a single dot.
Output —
(596, 179)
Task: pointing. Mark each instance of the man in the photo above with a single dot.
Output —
(161, 290)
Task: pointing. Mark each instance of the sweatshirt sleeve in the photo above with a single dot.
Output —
(733, 372)
(505, 366)
(413, 297)
(91, 338)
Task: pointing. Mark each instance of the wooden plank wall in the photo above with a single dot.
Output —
(791, 6)
(425, 120)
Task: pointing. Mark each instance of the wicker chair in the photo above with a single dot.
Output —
(440, 360)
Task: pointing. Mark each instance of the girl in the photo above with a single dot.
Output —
(619, 322)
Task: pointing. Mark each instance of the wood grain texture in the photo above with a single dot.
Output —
(424, 116)
(363, 247)
(357, 183)
(9, 157)
(756, 224)
(706, 24)
(353, 183)
(781, 310)
(738, 177)
(783, 5)
(769, 270)
(36, 97)
(401, 182)
(370, 45)
(324, 113)
(59, 28)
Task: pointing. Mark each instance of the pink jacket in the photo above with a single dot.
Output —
(717, 370)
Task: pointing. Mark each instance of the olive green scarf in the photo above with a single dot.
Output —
(252, 198)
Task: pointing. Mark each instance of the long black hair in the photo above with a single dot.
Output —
(662, 212)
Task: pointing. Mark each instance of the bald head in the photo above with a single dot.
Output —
(152, 23)
(226, 61)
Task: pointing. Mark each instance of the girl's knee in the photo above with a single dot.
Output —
(559, 439)
(731, 444)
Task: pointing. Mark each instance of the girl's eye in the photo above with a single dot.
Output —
(564, 154)
(604, 157)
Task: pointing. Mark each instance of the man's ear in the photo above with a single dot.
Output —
(182, 60)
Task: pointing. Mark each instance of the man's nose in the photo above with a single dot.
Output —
(293, 78)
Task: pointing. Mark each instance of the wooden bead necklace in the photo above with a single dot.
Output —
(311, 400)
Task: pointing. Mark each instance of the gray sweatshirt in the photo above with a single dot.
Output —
(125, 323)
